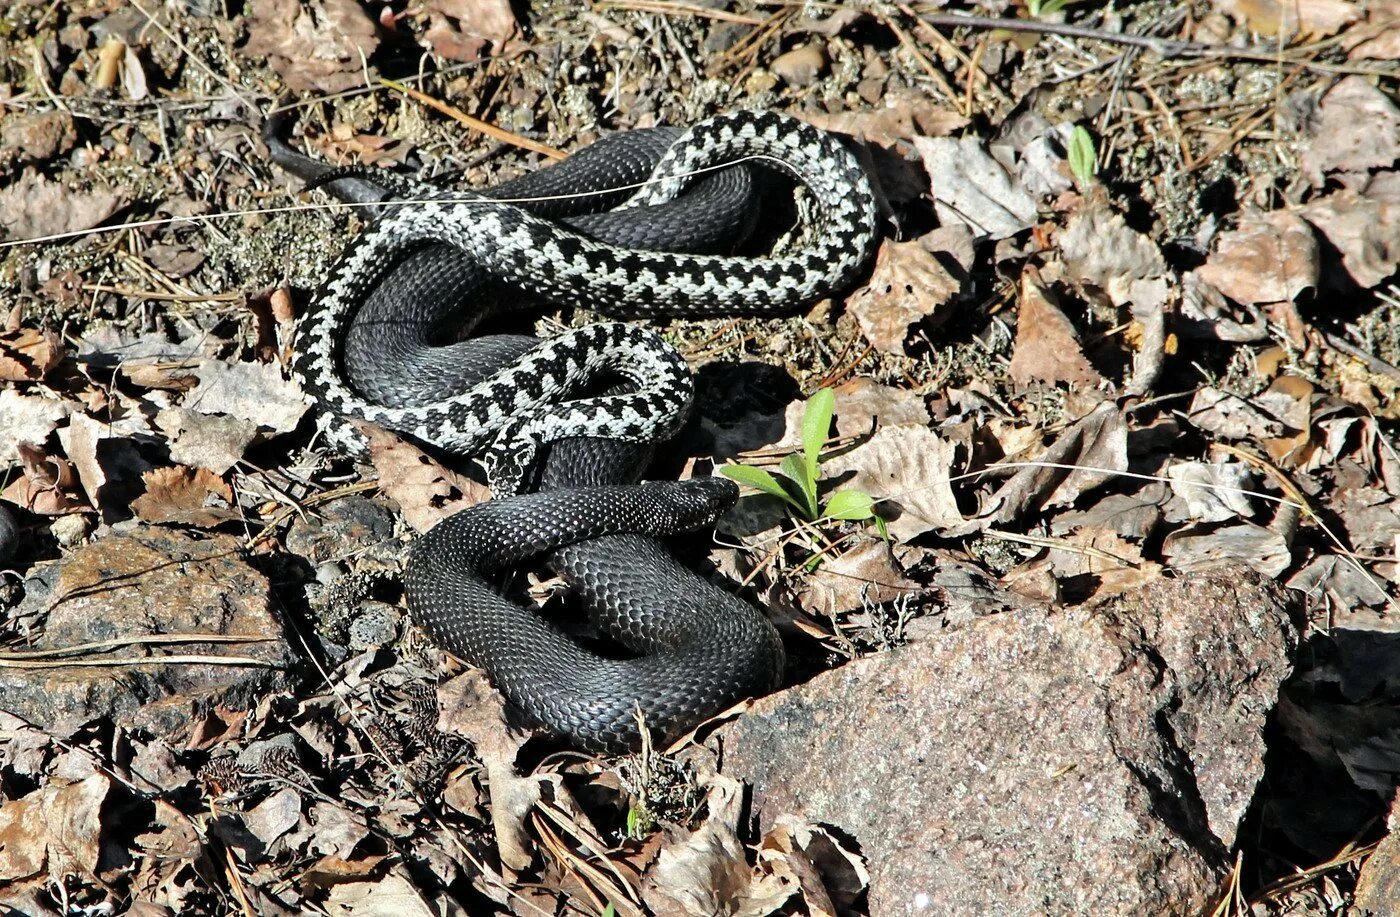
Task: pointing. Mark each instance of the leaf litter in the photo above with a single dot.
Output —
(1033, 385)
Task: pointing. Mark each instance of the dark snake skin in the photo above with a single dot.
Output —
(698, 648)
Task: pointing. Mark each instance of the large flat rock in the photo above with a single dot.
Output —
(124, 588)
(1086, 761)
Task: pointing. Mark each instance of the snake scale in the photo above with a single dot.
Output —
(643, 224)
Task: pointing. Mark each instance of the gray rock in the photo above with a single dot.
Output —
(123, 588)
(1091, 760)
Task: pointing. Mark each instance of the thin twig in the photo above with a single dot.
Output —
(476, 124)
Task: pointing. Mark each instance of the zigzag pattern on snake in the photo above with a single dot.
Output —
(699, 648)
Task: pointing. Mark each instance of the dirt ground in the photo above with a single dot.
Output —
(1189, 211)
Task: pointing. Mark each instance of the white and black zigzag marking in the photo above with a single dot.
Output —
(517, 409)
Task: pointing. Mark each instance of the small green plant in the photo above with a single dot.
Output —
(798, 489)
(1038, 8)
(1082, 156)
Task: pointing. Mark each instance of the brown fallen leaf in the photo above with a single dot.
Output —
(1271, 257)
(392, 896)
(425, 491)
(185, 496)
(831, 878)
(1100, 249)
(906, 468)
(1377, 38)
(1292, 20)
(901, 115)
(908, 285)
(48, 486)
(866, 574)
(1364, 228)
(1209, 492)
(706, 872)
(27, 419)
(1339, 141)
(972, 188)
(463, 29)
(316, 46)
(1207, 545)
(28, 354)
(1097, 445)
(471, 708)
(34, 207)
(1047, 347)
(56, 830)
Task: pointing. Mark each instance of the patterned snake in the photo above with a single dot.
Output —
(639, 224)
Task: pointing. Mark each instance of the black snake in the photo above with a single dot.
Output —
(636, 225)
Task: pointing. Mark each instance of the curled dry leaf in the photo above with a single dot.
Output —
(831, 878)
(34, 207)
(908, 285)
(54, 831)
(28, 354)
(318, 45)
(1209, 492)
(1271, 257)
(1340, 143)
(254, 392)
(1097, 445)
(1201, 547)
(471, 708)
(906, 469)
(463, 29)
(49, 485)
(392, 896)
(1047, 347)
(1230, 416)
(972, 188)
(865, 574)
(1364, 228)
(1100, 249)
(27, 419)
(426, 492)
(1292, 20)
(185, 496)
(707, 873)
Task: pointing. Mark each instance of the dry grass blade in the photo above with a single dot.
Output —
(136, 662)
(149, 640)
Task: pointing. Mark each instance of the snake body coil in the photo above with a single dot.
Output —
(397, 298)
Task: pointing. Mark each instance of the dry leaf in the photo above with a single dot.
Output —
(1099, 248)
(28, 354)
(1292, 20)
(1365, 229)
(1201, 547)
(1206, 492)
(316, 45)
(1229, 416)
(27, 419)
(425, 491)
(392, 896)
(1271, 257)
(256, 392)
(1378, 38)
(908, 285)
(185, 496)
(34, 207)
(866, 574)
(906, 469)
(972, 188)
(471, 708)
(213, 441)
(1047, 347)
(1357, 129)
(49, 485)
(1129, 515)
(56, 828)
(1097, 445)
(463, 29)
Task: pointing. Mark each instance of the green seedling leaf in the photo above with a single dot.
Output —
(1082, 156)
(850, 505)
(796, 468)
(759, 480)
(816, 424)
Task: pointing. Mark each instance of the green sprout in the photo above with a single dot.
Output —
(1082, 156)
(798, 487)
